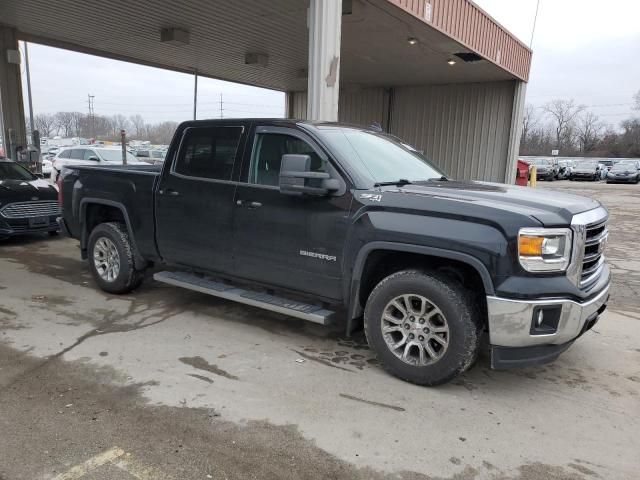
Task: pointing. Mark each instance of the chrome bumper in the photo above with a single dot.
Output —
(510, 321)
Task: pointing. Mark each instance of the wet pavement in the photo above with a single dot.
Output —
(167, 383)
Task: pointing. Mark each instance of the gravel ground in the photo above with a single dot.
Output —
(166, 383)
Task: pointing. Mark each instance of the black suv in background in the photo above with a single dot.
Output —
(335, 223)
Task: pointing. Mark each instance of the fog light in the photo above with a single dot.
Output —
(545, 320)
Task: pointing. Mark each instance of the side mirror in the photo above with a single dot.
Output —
(296, 177)
(93, 158)
(39, 175)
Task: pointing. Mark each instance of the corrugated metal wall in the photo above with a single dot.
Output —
(464, 128)
(361, 107)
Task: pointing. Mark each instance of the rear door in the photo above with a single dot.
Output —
(294, 242)
(194, 198)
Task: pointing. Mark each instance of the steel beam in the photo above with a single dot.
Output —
(325, 25)
(14, 131)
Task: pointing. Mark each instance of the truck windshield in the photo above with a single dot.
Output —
(381, 157)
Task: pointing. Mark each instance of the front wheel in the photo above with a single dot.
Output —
(111, 259)
(423, 327)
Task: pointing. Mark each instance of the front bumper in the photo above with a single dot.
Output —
(515, 342)
(629, 179)
(585, 176)
(25, 226)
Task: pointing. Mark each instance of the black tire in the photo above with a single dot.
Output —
(128, 278)
(53, 233)
(551, 178)
(461, 314)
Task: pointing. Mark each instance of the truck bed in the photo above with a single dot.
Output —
(129, 188)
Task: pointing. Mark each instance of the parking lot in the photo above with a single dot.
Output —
(168, 383)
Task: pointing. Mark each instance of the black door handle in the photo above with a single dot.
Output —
(242, 203)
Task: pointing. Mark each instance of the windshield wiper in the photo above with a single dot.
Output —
(400, 182)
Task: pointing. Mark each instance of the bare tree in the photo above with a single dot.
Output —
(589, 129)
(77, 122)
(64, 123)
(636, 101)
(563, 114)
(119, 122)
(529, 123)
(45, 124)
(138, 124)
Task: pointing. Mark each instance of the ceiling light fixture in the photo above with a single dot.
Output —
(451, 61)
(412, 40)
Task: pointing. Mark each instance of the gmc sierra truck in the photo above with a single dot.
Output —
(328, 222)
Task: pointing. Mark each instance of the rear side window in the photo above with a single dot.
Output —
(77, 154)
(209, 152)
(65, 154)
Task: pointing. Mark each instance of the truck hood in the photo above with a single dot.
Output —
(548, 207)
(26, 191)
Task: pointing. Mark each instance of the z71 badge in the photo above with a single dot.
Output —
(373, 197)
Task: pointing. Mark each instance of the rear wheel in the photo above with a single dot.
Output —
(111, 259)
(423, 327)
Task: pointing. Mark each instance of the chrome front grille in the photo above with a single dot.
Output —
(593, 259)
(30, 209)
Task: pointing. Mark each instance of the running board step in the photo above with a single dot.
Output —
(304, 311)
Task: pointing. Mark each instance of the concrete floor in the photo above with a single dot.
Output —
(166, 383)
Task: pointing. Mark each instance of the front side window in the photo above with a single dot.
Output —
(267, 156)
(65, 154)
(209, 152)
(90, 155)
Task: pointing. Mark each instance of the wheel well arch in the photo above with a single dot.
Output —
(380, 259)
(96, 211)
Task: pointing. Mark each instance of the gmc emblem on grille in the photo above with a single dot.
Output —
(34, 198)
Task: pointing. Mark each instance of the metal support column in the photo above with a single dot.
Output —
(515, 131)
(14, 126)
(325, 25)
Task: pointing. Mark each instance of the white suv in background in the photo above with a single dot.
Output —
(89, 155)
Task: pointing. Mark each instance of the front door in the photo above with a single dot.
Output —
(295, 242)
(194, 199)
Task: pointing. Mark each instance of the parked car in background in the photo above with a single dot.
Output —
(47, 167)
(28, 204)
(545, 169)
(607, 163)
(153, 157)
(565, 167)
(587, 170)
(83, 155)
(626, 171)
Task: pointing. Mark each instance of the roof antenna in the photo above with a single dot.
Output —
(535, 19)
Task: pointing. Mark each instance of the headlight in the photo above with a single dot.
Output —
(544, 249)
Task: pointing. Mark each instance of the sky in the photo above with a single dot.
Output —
(583, 49)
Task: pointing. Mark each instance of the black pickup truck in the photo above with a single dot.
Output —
(329, 222)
